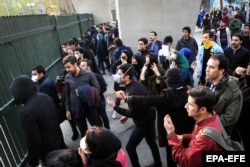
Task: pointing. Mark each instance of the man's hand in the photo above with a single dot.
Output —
(110, 102)
(180, 138)
(120, 94)
(68, 115)
(168, 124)
(123, 119)
(240, 70)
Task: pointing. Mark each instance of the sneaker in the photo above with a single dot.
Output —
(114, 115)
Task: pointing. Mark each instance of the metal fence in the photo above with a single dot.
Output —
(26, 41)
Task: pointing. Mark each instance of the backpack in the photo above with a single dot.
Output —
(89, 95)
(223, 140)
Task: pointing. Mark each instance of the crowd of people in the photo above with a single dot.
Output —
(157, 83)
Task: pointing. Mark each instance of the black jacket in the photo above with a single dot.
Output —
(38, 118)
(141, 114)
(172, 102)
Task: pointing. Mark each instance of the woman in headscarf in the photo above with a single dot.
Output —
(101, 148)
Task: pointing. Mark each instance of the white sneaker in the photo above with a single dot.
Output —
(114, 115)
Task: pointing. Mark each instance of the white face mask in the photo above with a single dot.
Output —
(65, 50)
(117, 78)
(77, 56)
(34, 78)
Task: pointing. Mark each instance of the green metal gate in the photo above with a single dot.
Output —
(26, 41)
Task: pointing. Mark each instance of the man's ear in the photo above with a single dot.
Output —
(203, 109)
(126, 77)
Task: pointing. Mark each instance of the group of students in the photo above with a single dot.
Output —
(155, 82)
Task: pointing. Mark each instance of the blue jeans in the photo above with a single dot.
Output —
(136, 136)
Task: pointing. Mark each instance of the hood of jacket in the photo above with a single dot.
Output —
(22, 88)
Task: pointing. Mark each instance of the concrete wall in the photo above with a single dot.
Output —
(101, 9)
(137, 18)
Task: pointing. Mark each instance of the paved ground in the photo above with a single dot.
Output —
(122, 131)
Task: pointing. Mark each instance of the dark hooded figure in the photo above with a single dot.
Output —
(38, 119)
(170, 101)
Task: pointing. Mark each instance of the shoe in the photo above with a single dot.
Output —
(75, 136)
(114, 115)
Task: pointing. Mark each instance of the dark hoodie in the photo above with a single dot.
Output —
(38, 118)
(171, 101)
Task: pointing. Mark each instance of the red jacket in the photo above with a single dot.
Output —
(192, 155)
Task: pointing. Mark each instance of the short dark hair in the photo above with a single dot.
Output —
(223, 61)
(236, 16)
(210, 33)
(69, 59)
(127, 69)
(72, 42)
(118, 42)
(89, 62)
(187, 28)
(144, 40)
(203, 96)
(154, 33)
(168, 39)
(39, 69)
(79, 49)
(239, 35)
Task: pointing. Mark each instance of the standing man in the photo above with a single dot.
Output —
(224, 35)
(188, 42)
(208, 48)
(228, 95)
(47, 86)
(143, 116)
(200, 107)
(143, 50)
(38, 119)
(235, 24)
(246, 37)
(237, 55)
(154, 45)
(74, 78)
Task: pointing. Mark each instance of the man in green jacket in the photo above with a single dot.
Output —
(229, 97)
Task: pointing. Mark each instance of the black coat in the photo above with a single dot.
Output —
(172, 102)
(38, 118)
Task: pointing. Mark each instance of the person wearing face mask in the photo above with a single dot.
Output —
(124, 59)
(208, 48)
(46, 84)
(165, 103)
(38, 118)
(142, 115)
